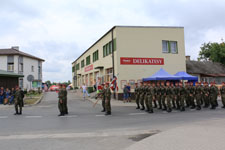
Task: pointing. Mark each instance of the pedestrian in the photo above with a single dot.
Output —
(222, 93)
(125, 94)
(65, 99)
(84, 90)
(107, 99)
(129, 92)
(7, 96)
(2, 95)
(137, 95)
(18, 102)
(61, 101)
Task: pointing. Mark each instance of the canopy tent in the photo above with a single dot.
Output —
(186, 76)
(161, 75)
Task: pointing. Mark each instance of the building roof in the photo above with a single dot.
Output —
(13, 51)
(124, 27)
(205, 67)
(4, 73)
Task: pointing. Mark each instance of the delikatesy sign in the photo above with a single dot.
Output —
(141, 61)
(88, 68)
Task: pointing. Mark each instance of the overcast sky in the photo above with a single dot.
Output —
(60, 30)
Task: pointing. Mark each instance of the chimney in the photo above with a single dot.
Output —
(15, 47)
(188, 58)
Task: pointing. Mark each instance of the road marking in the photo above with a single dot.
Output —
(3, 117)
(72, 116)
(132, 114)
(99, 115)
(33, 116)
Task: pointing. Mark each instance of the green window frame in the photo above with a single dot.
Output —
(82, 63)
(104, 51)
(108, 48)
(88, 60)
(95, 56)
(78, 66)
(169, 47)
(73, 69)
(114, 44)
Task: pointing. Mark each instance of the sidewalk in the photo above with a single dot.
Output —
(207, 135)
(114, 102)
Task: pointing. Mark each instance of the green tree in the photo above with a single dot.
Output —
(48, 83)
(213, 51)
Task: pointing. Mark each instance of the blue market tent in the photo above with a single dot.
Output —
(186, 76)
(161, 75)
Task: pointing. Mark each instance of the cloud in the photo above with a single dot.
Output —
(60, 31)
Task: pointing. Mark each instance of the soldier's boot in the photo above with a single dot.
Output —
(169, 110)
(108, 113)
(182, 109)
(16, 111)
(198, 107)
(178, 106)
(193, 107)
(20, 111)
(151, 111)
(143, 108)
(160, 106)
(216, 103)
(103, 110)
(173, 102)
(165, 108)
(155, 104)
(138, 107)
(213, 107)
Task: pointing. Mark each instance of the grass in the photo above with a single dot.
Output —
(31, 98)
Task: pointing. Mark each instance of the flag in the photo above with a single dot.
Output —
(114, 84)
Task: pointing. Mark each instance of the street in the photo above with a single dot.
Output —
(86, 127)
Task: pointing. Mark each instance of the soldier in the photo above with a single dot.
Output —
(61, 102)
(65, 99)
(163, 95)
(136, 94)
(213, 95)
(103, 97)
(192, 95)
(187, 95)
(18, 101)
(206, 95)
(154, 99)
(222, 93)
(168, 96)
(141, 90)
(177, 95)
(158, 95)
(146, 87)
(181, 93)
(107, 99)
(198, 95)
(150, 96)
(173, 95)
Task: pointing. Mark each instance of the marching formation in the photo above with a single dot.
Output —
(166, 96)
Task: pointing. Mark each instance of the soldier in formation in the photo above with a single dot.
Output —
(179, 97)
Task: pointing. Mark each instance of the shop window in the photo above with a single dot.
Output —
(88, 60)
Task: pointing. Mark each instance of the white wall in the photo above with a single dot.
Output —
(3, 63)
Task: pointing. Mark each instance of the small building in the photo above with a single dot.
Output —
(207, 71)
(9, 79)
(12, 60)
(130, 53)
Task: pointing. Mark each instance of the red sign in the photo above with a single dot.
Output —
(88, 68)
(141, 61)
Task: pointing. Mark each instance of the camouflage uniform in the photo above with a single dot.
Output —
(103, 99)
(206, 96)
(169, 93)
(150, 93)
(182, 93)
(136, 93)
(198, 96)
(213, 91)
(222, 92)
(61, 102)
(163, 97)
(146, 97)
(187, 95)
(18, 102)
(158, 96)
(192, 96)
(65, 100)
(173, 96)
(107, 101)
(142, 94)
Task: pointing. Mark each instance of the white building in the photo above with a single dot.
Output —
(14, 60)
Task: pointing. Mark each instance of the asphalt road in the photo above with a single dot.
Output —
(86, 127)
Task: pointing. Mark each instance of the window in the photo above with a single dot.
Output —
(77, 66)
(10, 66)
(173, 47)
(32, 68)
(88, 60)
(169, 47)
(108, 75)
(165, 46)
(95, 56)
(21, 67)
(73, 69)
(82, 63)
(108, 48)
